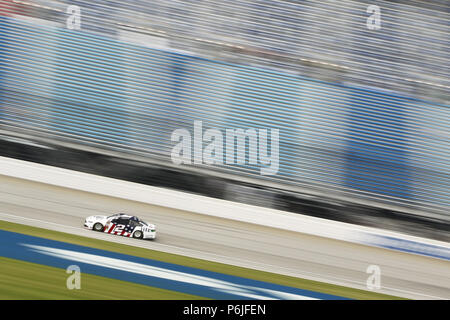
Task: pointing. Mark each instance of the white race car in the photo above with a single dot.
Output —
(122, 225)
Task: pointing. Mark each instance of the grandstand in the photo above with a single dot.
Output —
(363, 114)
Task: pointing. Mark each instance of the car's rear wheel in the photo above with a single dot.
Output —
(98, 227)
(138, 234)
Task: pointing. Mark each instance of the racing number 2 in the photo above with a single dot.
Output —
(118, 228)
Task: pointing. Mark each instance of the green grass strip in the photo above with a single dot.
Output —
(197, 263)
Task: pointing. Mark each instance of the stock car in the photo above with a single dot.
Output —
(121, 224)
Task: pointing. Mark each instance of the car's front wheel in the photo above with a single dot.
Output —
(98, 227)
(138, 234)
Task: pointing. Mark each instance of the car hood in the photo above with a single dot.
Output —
(96, 218)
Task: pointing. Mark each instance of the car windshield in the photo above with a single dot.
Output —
(140, 221)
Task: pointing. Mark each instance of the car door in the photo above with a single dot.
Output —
(133, 225)
(118, 226)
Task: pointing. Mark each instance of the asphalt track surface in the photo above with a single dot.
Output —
(228, 241)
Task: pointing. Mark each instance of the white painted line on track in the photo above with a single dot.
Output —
(246, 291)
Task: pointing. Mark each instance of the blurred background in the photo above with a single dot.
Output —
(363, 113)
